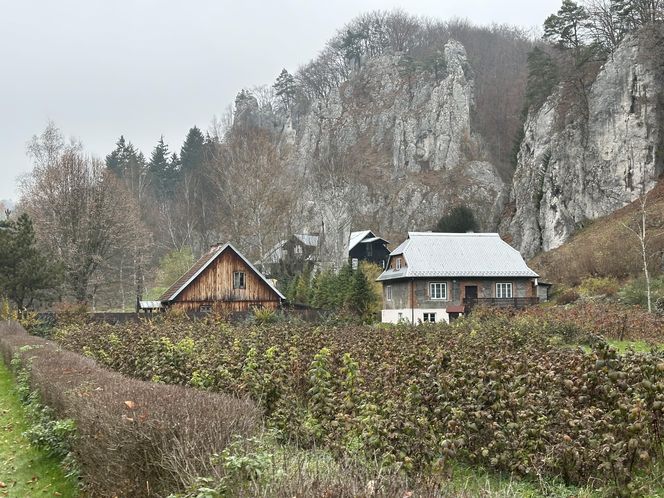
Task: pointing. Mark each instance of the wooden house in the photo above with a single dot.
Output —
(365, 246)
(438, 276)
(222, 280)
(290, 256)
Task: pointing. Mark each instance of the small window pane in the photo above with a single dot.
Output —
(438, 290)
(238, 280)
(388, 291)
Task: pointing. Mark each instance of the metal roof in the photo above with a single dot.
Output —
(431, 254)
(276, 253)
(200, 265)
(149, 304)
(361, 237)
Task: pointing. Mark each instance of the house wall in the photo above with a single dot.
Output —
(407, 294)
(215, 287)
(379, 255)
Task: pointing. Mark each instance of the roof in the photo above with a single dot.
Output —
(361, 237)
(149, 304)
(432, 254)
(204, 261)
(276, 253)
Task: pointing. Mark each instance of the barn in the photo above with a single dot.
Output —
(222, 280)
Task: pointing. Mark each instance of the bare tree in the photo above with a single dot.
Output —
(79, 209)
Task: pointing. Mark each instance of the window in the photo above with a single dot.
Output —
(504, 290)
(438, 290)
(369, 250)
(398, 264)
(388, 292)
(205, 308)
(298, 249)
(429, 317)
(238, 280)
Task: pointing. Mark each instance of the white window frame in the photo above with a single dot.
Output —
(429, 317)
(239, 280)
(298, 249)
(398, 264)
(436, 296)
(388, 292)
(504, 290)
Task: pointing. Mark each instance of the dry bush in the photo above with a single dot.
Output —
(134, 438)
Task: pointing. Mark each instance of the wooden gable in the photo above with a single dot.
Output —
(214, 285)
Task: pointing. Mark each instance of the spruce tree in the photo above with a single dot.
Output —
(192, 154)
(162, 170)
(26, 272)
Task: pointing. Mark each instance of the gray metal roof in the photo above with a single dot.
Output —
(431, 254)
(361, 237)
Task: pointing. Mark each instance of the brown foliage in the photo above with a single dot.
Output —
(134, 438)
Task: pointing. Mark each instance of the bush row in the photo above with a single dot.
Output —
(497, 390)
(133, 438)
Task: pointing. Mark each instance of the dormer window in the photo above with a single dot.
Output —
(397, 264)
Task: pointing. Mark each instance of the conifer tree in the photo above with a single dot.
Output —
(285, 88)
(192, 154)
(566, 28)
(26, 272)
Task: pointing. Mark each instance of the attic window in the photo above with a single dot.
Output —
(298, 249)
(238, 280)
(369, 250)
(398, 264)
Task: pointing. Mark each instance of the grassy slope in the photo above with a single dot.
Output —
(24, 470)
(604, 247)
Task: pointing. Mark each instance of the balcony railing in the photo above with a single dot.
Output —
(501, 302)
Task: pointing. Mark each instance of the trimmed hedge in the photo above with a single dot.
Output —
(133, 438)
(502, 391)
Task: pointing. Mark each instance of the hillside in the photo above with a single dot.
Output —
(605, 247)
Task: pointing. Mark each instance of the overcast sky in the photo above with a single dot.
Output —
(143, 68)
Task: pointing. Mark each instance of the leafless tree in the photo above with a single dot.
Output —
(79, 209)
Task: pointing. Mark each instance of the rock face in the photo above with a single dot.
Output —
(597, 162)
(392, 149)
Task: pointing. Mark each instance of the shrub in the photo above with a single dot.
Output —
(133, 438)
(494, 390)
(635, 291)
(598, 286)
(567, 296)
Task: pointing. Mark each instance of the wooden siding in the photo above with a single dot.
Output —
(214, 286)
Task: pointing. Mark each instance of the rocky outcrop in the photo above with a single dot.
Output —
(573, 170)
(392, 149)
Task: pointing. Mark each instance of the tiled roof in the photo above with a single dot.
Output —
(431, 254)
(204, 261)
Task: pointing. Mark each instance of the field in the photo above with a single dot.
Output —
(24, 469)
(510, 393)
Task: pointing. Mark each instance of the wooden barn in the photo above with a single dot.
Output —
(222, 280)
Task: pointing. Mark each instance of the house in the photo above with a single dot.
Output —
(438, 276)
(365, 246)
(290, 256)
(222, 280)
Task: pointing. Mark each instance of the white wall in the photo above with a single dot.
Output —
(392, 316)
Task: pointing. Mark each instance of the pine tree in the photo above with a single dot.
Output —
(162, 170)
(115, 161)
(459, 220)
(26, 272)
(192, 154)
(285, 88)
(542, 78)
(566, 28)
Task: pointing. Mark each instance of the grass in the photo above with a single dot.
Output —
(25, 471)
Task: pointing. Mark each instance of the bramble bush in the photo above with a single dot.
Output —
(502, 390)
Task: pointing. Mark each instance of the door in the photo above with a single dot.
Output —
(470, 293)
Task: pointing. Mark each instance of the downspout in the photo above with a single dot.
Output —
(412, 301)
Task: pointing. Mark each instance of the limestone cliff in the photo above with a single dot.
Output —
(573, 170)
(392, 149)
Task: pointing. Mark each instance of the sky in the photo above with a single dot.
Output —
(145, 68)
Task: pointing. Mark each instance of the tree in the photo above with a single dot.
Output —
(285, 88)
(566, 28)
(163, 170)
(82, 211)
(128, 164)
(459, 220)
(27, 273)
(543, 77)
